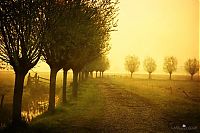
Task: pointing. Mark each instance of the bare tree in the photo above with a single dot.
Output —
(98, 20)
(192, 67)
(100, 64)
(132, 64)
(103, 64)
(149, 65)
(21, 29)
(170, 65)
(54, 45)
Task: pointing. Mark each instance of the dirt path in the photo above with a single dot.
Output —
(127, 112)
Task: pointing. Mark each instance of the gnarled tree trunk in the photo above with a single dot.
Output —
(52, 92)
(17, 98)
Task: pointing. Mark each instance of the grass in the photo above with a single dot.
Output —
(175, 105)
(81, 114)
(85, 113)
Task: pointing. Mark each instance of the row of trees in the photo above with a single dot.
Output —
(66, 34)
(170, 65)
(101, 64)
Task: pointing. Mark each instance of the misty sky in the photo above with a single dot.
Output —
(155, 28)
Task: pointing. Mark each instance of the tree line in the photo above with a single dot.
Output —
(66, 34)
(132, 64)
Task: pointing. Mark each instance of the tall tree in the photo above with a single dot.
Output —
(89, 33)
(100, 64)
(170, 65)
(132, 64)
(21, 29)
(149, 65)
(104, 65)
(54, 46)
(192, 67)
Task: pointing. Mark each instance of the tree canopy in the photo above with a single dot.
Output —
(192, 66)
(149, 65)
(170, 65)
(132, 63)
(22, 23)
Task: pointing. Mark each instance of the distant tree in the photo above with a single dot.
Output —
(149, 65)
(21, 30)
(170, 65)
(192, 67)
(88, 69)
(104, 65)
(132, 64)
(100, 64)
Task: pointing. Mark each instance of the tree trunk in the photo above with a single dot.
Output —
(170, 76)
(82, 76)
(75, 83)
(96, 74)
(131, 74)
(79, 76)
(17, 98)
(102, 74)
(64, 97)
(86, 75)
(52, 92)
(2, 99)
(191, 78)
(91, 74)
(149, 75)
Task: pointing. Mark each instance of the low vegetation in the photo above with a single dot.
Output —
(174, 103)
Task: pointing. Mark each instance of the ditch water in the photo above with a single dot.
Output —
(31, 110)
(36, 108)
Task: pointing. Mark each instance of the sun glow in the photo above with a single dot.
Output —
(156, 28)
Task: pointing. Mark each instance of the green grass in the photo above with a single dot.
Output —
(82, 114)
(175, 105)
(79, 114)
(85, 113)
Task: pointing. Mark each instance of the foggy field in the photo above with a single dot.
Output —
(116, 104)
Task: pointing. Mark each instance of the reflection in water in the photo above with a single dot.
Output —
(35, 108)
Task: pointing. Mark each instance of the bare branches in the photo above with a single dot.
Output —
(21, 24)
(192, 66)
(132, 63)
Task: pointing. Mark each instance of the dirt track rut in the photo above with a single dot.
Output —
(125, 111)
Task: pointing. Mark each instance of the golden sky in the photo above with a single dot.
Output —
(155, 28)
